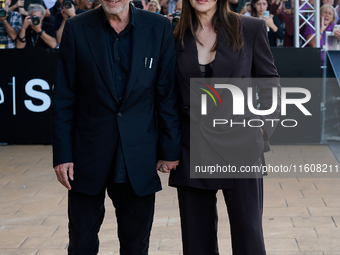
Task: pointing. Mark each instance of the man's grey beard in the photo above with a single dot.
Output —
(107, 9)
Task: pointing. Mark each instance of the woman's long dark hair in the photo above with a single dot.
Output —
(223, 20)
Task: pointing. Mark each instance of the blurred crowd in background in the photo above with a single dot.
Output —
(40, 23)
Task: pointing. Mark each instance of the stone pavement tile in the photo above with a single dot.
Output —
(19, 220)
(9, 208)
(160, 222)
(274, 189)
(26, 230)
(332, 201)
(331, 253)
(223, 231)
(164, 252)
(306, 185)
(281, 245)
(52, 252)
(274, 202)
(284, 233)
(174, 221)
(164, 212)
(224, 245)
(55, 219)
(304, 202)
(326, 211)
(337, 221)
(317, 150)
(4, 181)
(314, 221)
(319, 244)
(154, 243)
(331, 233)
(61, 232)
(277, 221)
(288, 211)
(295, 253)
(46, 206)
(166, 232)
(44, 242)
(327, 187)
(12, 242)
(5, 251)
(170, 244)
(319, 193)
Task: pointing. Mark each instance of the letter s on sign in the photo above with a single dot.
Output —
(2, 96)
(38, 95)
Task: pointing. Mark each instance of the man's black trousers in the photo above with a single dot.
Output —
(134, 218)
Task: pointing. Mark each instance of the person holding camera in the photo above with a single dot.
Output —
(34, 33)
(68, 10)
(10, 25)
(21, 6)
(246, 10)
(284, 9)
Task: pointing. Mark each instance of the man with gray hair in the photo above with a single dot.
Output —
(34, 33)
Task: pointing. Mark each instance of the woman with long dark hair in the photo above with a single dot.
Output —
(258, 7)
(214, 42)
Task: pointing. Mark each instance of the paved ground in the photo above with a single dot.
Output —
(301, 215)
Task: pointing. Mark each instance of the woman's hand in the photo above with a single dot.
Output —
(323, 27)
(337, 34)
(270, 23)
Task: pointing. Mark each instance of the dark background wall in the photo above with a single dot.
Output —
(27, 77)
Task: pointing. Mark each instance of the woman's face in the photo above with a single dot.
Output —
(327, 15)
(204, 6)
(152, 7)
(261, 6)
(89, 4)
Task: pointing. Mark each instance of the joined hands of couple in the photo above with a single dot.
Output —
(65, 171)
(166, 166)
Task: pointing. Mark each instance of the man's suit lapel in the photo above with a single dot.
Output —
(140, 38)
(97, 41)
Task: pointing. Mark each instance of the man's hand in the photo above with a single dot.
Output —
(68, 13)
(165, 166)
(27, 22)
(65, 172)
(20, 3)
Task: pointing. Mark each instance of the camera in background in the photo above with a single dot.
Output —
(288, 4)
(68, 4)
(138, 4)
(175, 19)
(35, 20)
(3, 12)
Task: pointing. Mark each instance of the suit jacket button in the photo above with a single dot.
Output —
(119, 114)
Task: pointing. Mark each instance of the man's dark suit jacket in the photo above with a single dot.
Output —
(238, 146)
(87, 115)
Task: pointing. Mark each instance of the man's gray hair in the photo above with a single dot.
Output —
(36, 8)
